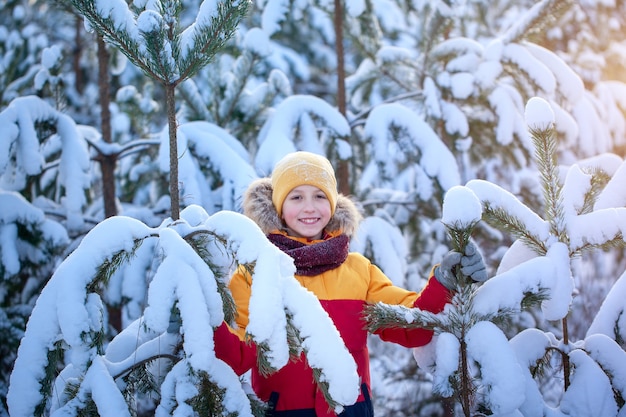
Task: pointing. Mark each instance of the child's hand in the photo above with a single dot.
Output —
(471, 264)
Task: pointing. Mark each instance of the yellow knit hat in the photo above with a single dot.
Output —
(303, 168)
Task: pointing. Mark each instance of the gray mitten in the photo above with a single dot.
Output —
(444, 271)
(471, 264)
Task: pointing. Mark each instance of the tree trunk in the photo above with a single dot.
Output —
(172, 125)
(107, 162)
(466, 384)
(566, 364)
(79, 82)
(448, 406)
(343, 173)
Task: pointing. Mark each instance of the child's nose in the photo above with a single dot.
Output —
(309, 204)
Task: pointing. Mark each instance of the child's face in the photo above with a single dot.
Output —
(306, 212)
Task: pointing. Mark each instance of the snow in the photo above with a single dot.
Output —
(222, 152)
(275, 139)
(611, 312)
(183, 279)
(436, 158)
(447, 356)
(461, 206)
(22, 150)
(390, 251)
(273, 13)
(570, 84)
(258, 42)
(51, 56)
(500, 375)
(590, 391)
(539, 114)
(66, 312)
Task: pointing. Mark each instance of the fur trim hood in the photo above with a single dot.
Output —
(257, 205)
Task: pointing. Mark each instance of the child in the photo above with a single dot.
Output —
(301, 212)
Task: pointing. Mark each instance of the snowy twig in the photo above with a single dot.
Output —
(383, 316)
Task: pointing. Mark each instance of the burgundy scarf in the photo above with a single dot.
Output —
(315, 258)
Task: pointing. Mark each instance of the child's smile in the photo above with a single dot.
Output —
(306, 212)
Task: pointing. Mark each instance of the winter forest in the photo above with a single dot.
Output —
(129, 131)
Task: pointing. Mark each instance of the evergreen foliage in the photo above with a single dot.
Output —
(465, 311)
(411, 56)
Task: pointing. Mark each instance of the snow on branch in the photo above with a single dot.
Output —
(21, 152)
(337, 374)
(590, 392)
(65, 313)
(611, 318)
(297, 114)
(220, 152)
(613, 194)
(16, 212)
(151, 39)
(570, 84)
(67, 328)
(536, 70)
(522, 221)
(506, 292)
(611, 358)
(501, 378)
(417, 141)
(598, 228)
(506, 102)
(458, 46)
(107, 397)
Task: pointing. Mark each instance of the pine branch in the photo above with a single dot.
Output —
(381, 316)
(262, 352)
(259, 408)
(294, 342)
(210, 398)
(501, 219)
(106, 270)
(599, 180)
(84, 407)
(114, 35)
(157, 46)
(211, 38)
(54, 358)
(140, 379)
(545, 153)
(200, 241)
(460, 235)
(617, 242)
(544, 16)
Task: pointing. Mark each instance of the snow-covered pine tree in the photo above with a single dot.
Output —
(301, 52)
(467, 71)
(19, 54)
(34, 186)
(164, 362)
(582, 213)
(30, 240)
(167, 351)
(151, 36)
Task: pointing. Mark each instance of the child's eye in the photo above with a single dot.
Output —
(321, 196)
